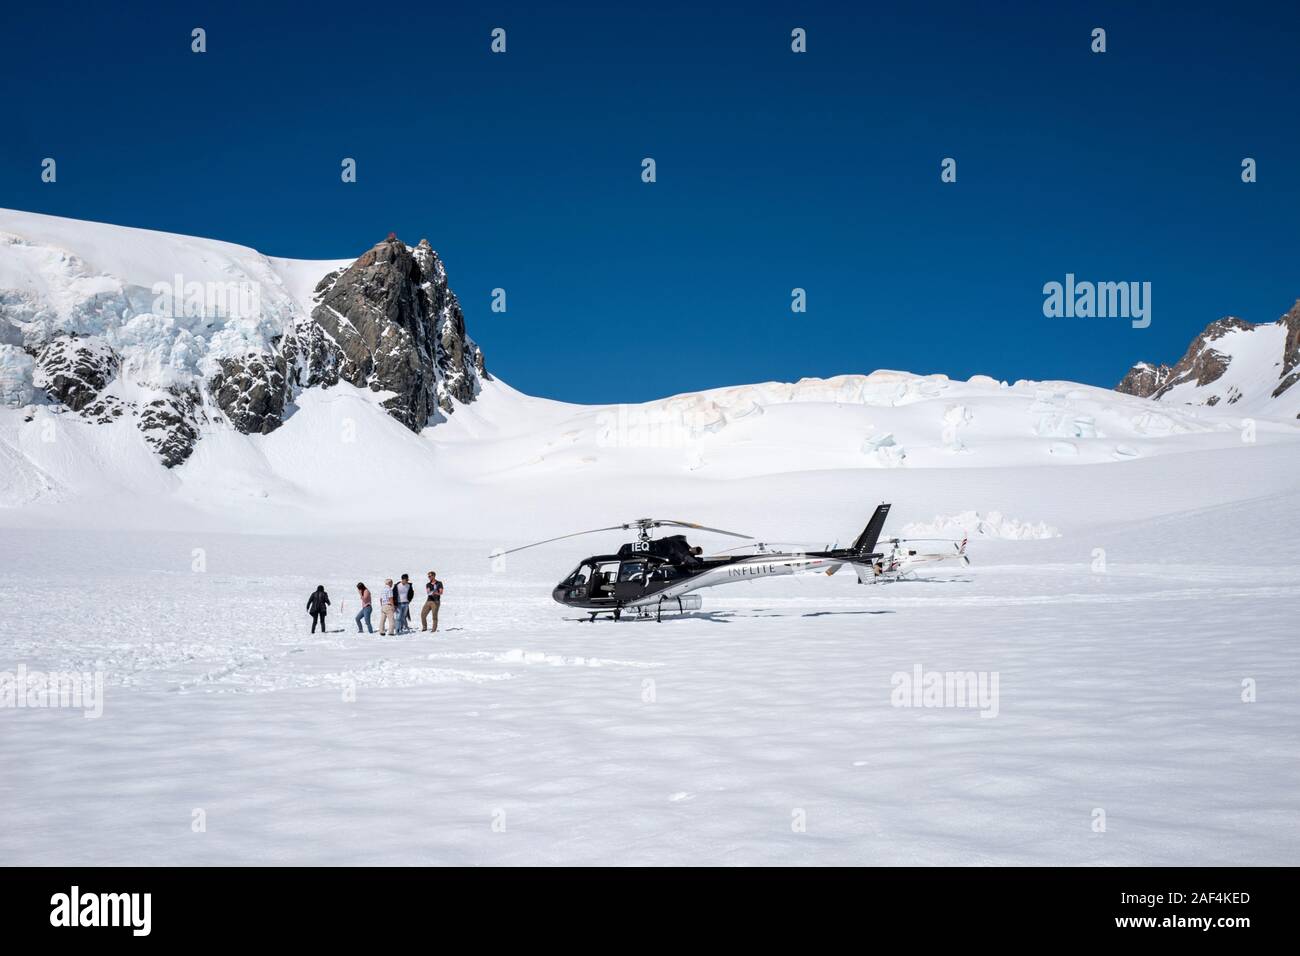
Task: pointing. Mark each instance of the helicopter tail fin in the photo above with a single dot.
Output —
(866, 542)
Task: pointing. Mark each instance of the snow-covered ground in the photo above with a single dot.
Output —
(762, 729)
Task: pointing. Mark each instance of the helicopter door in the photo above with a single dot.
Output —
(631, 580)
(604, 581)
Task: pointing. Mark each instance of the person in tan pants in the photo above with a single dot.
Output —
(433, 597)
(387, 609)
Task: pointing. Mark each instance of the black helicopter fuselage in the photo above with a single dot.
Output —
(656, 574)
(637, 578)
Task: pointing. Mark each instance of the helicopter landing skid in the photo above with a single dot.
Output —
(644, 612)
(614, 614)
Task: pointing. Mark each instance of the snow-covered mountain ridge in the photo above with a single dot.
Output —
(184, 336)
(1253, 366)
(299, 402)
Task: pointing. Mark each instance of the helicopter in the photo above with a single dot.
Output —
(900, 562)
(651, 576)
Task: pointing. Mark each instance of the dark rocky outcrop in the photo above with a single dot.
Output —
(1201, 363)
(107, 408)
(73, 371)
(171, 424)
(389, 322)
(1290, 351)
(1144, 380)
(252, 391)
(315, 357)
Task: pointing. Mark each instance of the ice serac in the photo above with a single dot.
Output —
(15, 376)
(390, 323)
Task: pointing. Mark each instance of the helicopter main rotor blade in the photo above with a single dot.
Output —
(640, 524)
(617, 527)
(802, 545)
(700, 527)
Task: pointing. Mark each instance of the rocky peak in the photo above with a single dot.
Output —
(1200, 363)
(390, 322)
(1144, 379)
(1258, 376)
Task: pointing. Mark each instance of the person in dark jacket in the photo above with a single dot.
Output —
(316, 605)
(403, 592)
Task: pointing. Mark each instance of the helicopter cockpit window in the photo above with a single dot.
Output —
(580, 576)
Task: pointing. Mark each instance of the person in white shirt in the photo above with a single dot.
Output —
(402, 594)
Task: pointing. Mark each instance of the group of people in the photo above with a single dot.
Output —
(394, 606)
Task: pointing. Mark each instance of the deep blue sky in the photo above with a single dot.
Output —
(775, 170)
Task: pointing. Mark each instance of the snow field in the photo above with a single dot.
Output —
(518, 735)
